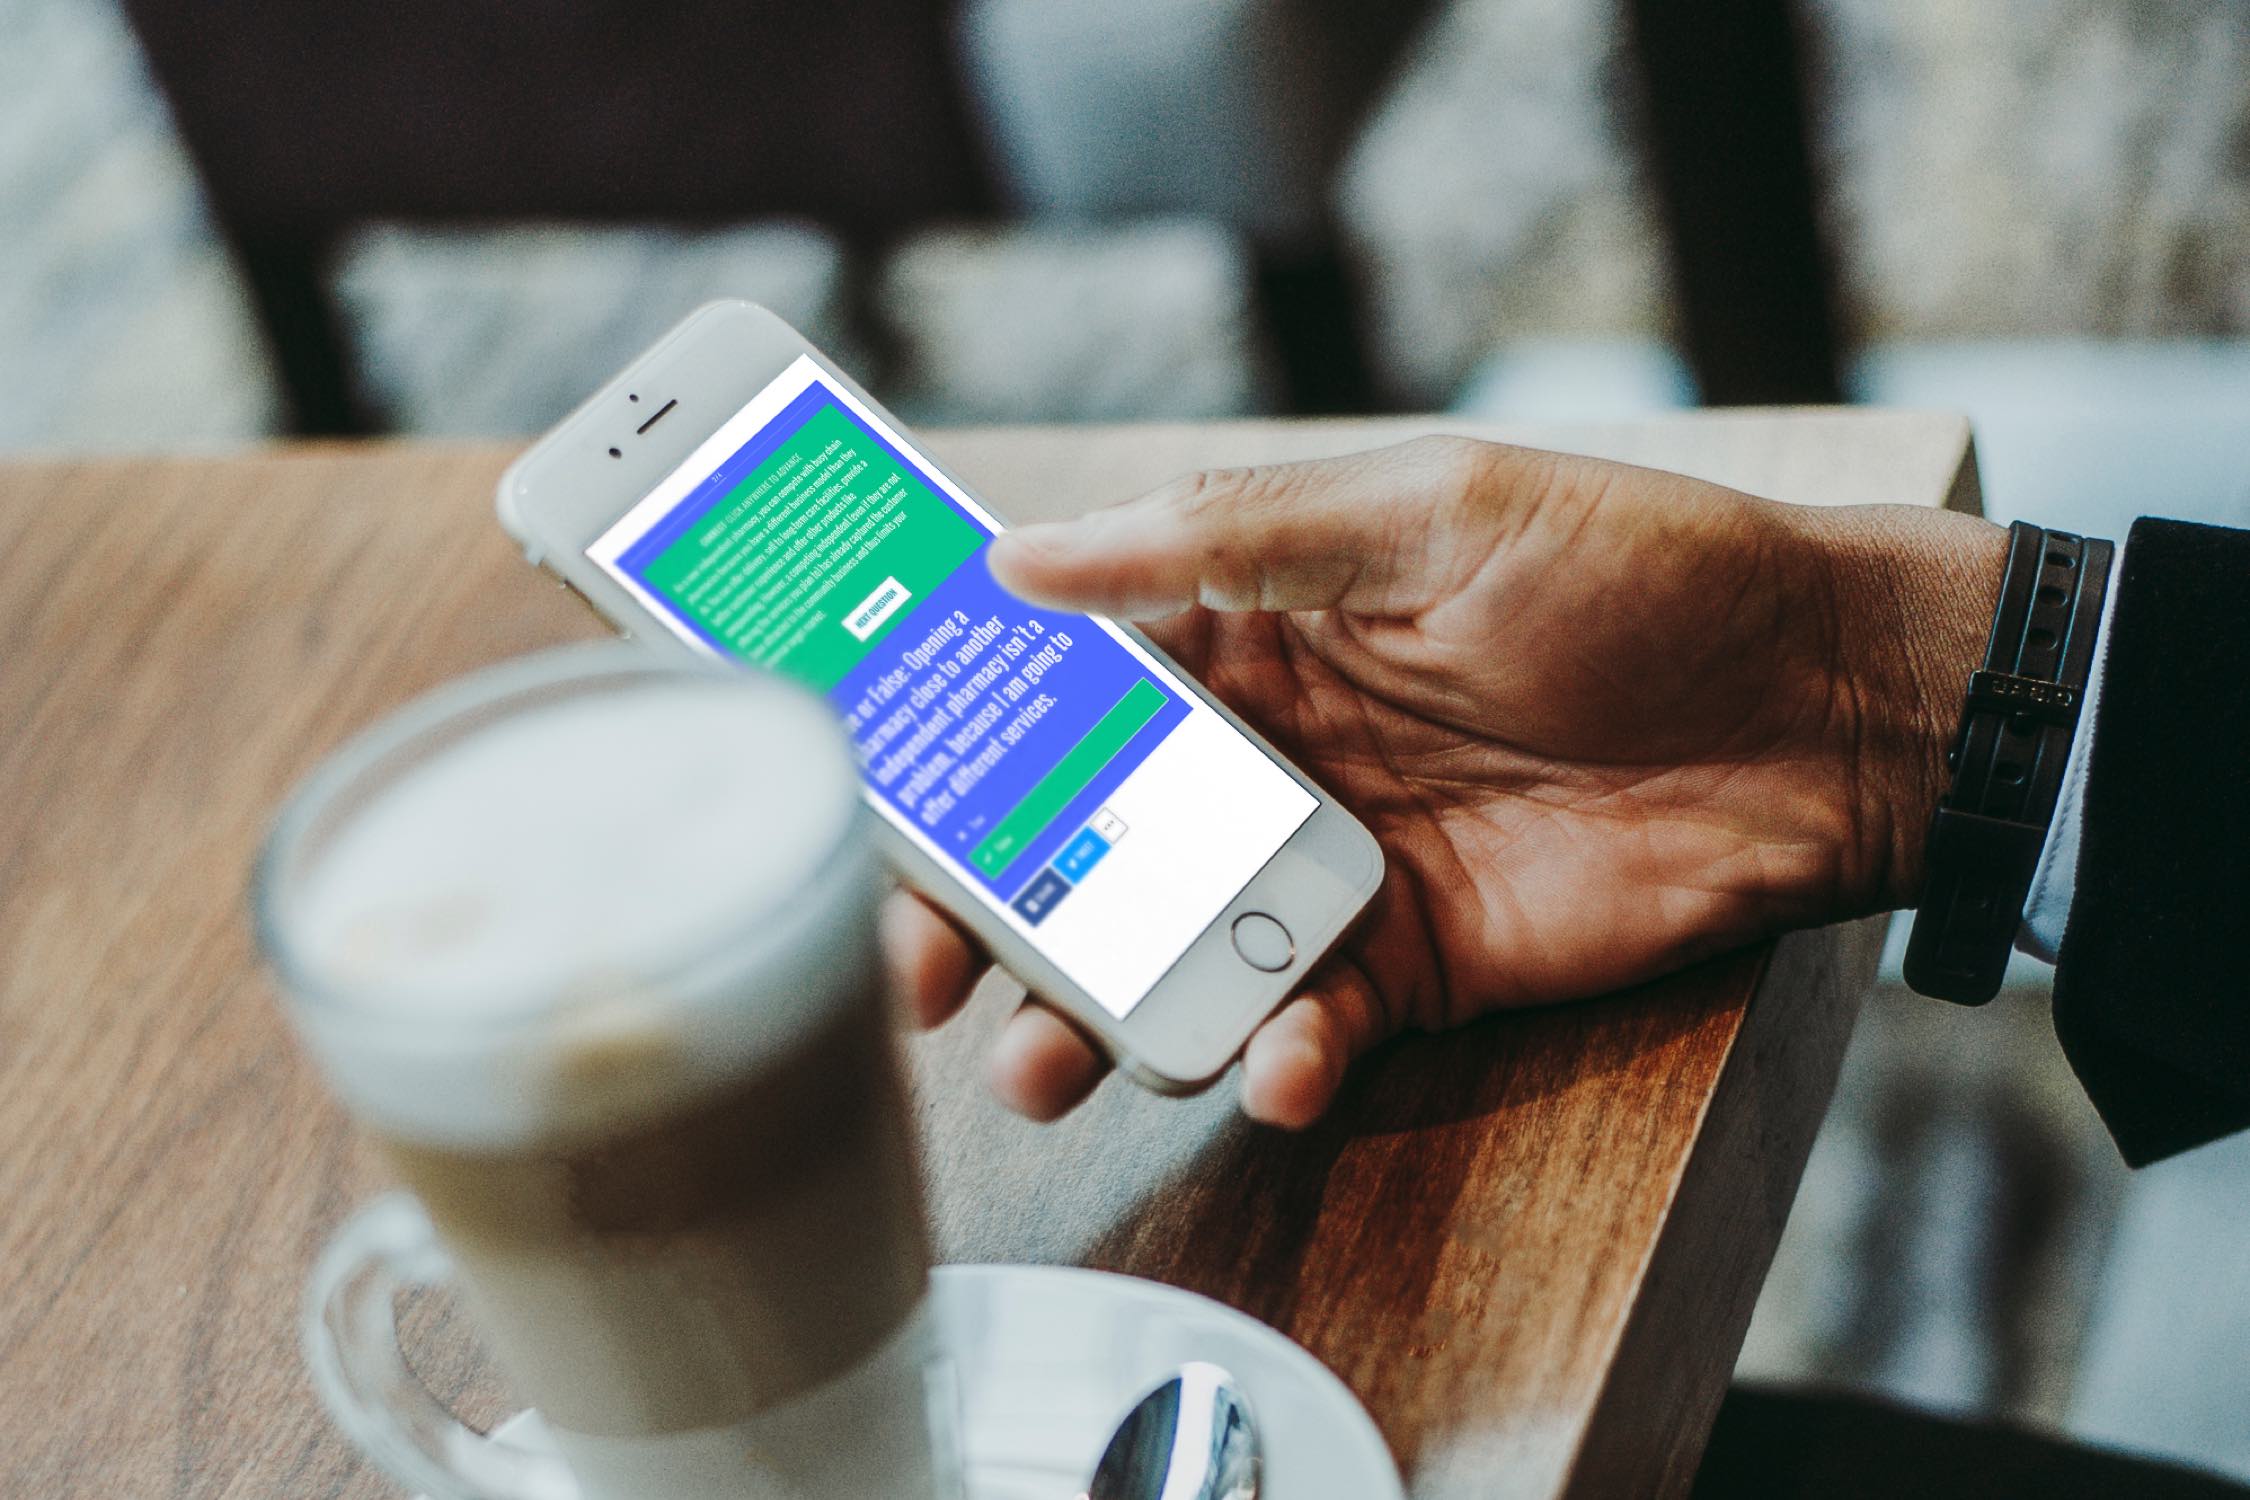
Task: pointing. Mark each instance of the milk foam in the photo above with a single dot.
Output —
(584, 911)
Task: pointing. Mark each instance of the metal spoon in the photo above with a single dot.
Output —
(1189, 1439)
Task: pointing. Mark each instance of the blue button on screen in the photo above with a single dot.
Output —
(1040, 897)
(1082, 854)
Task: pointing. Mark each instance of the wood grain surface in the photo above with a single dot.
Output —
(1531, 1246)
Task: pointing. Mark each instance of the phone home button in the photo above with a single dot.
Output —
(1263, 942)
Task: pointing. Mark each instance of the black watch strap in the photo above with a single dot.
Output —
(2008, 758)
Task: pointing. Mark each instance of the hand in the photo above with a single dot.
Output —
(1605, 721)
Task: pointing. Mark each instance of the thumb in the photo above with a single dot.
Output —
(1352, 533)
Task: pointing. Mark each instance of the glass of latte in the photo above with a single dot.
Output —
(587, 943)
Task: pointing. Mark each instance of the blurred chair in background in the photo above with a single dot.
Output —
(306, 120)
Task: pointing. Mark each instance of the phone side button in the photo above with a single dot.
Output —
(1263, 942)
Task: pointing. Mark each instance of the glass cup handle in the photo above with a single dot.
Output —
(350, 1331)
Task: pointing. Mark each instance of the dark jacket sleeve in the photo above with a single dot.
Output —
(2152, 990)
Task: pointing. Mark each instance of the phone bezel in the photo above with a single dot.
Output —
(568, 489)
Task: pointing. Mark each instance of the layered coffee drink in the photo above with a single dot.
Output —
(601, 976)
(691, 1270)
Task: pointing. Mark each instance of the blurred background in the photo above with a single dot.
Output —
(225, 224)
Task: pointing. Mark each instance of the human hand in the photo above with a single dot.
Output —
(1605, 721)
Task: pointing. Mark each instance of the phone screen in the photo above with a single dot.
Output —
(1059, 771)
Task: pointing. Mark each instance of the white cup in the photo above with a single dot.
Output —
(587, 942)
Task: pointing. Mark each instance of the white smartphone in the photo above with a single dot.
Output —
(1128, 848)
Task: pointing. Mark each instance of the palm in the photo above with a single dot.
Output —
(1560, 816)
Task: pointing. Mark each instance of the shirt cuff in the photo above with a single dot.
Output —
(2055, 880)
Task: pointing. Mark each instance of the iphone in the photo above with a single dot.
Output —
(1128, 848)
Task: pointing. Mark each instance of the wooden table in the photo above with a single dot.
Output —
(1531, 1246)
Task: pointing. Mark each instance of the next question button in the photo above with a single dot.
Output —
(868, 615)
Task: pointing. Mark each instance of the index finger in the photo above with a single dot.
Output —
(1352, 532)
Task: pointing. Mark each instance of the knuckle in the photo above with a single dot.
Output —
(1229, 514)
(1461, 477)
(1205, 492)
(1452, 480)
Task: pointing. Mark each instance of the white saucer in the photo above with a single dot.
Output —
(1049, 1358)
